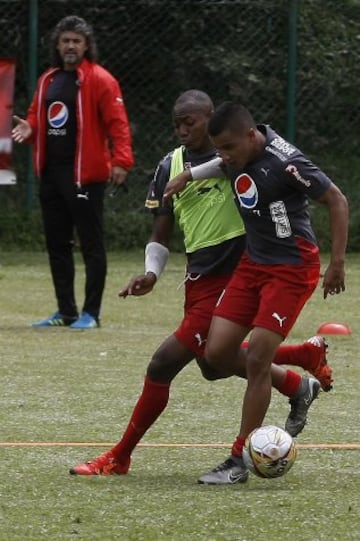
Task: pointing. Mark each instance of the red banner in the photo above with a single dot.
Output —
(7, 82)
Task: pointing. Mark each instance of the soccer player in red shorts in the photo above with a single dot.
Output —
(280, 268)
(212, 254)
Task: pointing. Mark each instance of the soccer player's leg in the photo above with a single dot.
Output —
(283, 298)
(170, 358)
(201, 296)
(223, 353)
(271, 326)
(311, 355)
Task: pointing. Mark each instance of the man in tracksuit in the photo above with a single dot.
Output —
(77, 107)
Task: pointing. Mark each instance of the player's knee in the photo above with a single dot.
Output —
(257, 366)
(215, 357)
(208, 372)
(213, 375)
(164, 367)
(157, 369)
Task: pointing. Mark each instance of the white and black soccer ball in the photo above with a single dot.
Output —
(269, 452)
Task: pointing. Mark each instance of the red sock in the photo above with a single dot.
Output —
(152, 401)
(237, 447)
(294, 355)
(290, 384)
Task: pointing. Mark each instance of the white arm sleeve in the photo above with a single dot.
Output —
(209, 169)
(156, 256)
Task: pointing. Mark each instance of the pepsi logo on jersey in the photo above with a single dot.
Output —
(246, 191)
(57, 116)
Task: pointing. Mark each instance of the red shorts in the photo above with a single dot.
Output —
(268, 296)
(201, 296)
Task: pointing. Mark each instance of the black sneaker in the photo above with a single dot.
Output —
(300, 404)
(232, 471)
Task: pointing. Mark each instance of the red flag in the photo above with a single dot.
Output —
(7, 81)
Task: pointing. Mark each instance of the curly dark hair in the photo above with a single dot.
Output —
(72, 23)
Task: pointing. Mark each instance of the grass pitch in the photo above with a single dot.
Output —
(77, 389)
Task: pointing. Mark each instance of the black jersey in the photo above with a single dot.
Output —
(272, 196)
(61, 118)
(208, 257)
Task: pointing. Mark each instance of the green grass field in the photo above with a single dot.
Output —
(65, 396)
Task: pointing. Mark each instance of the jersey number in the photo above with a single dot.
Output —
(280, 218)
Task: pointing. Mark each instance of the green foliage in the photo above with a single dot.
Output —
(233, 49)
(127, 228)
(344, 173)
(327, 77)
(21, 229)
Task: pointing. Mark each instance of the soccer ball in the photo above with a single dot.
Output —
(269, 452)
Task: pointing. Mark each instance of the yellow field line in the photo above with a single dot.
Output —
(329, 446)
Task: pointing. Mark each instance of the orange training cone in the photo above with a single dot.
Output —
(334, 328)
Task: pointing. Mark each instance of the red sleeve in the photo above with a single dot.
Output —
(33, 113)
(32, 116)
(116, 121)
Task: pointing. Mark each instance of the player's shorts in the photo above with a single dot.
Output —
(268, 296)
(201, 296)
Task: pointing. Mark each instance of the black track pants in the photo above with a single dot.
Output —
(65, 211)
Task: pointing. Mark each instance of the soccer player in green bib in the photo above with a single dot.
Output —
(214, 239)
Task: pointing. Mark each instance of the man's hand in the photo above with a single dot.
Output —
(176, 185)
(118, 175)
(140, 285)
(334, 279)
(22, 130)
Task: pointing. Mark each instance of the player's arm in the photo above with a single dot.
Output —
(156, 250)
(156, 257)
(210, 169)
(25, 129)
(33, 113)
(334, 277)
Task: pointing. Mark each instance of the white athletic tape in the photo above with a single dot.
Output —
(210, 169)
(156, 256)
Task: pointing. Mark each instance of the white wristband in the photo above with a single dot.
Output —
(156, 256)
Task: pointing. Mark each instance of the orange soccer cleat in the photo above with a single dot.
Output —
(104, 464)
(319, 367)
